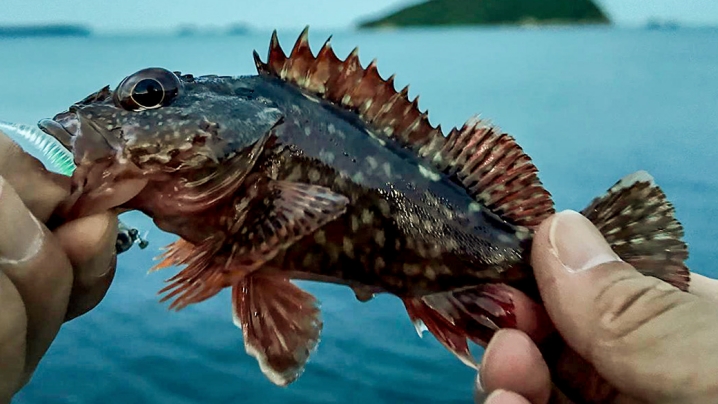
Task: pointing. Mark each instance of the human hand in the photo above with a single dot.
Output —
(46, 277)
(631, 338)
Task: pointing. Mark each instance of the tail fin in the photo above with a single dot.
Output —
(636, 219)
(640, 225)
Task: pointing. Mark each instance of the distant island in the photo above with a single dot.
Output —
(492, 12)
(23, 31)
(194, 30)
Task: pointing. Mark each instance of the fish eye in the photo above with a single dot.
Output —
(147, 89)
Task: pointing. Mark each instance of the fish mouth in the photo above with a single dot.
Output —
(100, 182)
(64, 127)
(83, 137)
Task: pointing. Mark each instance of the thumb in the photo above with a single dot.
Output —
(643, 336)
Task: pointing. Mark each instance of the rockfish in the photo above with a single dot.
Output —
(319, 169)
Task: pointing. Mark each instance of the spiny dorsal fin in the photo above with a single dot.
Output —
(488, 164)
(349, 85)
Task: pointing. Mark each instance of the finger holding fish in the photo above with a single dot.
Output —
(38, 266)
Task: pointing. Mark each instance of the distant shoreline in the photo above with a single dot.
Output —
(77, 30)
(50, 30)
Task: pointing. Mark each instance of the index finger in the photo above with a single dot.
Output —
(39, 189)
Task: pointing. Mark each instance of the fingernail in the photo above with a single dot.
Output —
(577, 243)
(22, 234)
(495, 397)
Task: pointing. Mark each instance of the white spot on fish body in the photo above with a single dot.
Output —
(474, 207)
(358, 177)
(384, 207)
(367, 216)
(296, 174)
(377, 138)
(326, 156)
(372, 162)
(348, 247)
(387, 169)
(434, 250)
(307, 131)
(428, 173)
(380, 238)
(428, 225)
(314, 175)
(320, 237)
(412, 269)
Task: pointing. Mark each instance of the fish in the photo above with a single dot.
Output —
(319, 169)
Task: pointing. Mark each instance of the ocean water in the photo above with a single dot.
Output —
(590, 105)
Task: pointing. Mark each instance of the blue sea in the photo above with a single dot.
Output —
(590, 105)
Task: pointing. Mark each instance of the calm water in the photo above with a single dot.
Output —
(589, 105)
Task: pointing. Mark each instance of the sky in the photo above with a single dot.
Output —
(126, 15)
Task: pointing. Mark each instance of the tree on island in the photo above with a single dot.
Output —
(493, 12)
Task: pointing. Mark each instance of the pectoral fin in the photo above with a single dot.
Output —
(293, 210)
(280, 322)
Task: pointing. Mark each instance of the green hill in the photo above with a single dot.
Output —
(493, 12)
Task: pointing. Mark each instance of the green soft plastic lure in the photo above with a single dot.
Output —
(58, 159)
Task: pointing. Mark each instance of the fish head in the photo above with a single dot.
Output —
(158, 125)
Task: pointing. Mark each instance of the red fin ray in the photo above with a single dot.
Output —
(199, 280)
(280, 322)
(448, 334)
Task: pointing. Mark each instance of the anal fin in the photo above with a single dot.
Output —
(280, 322)
(470, 314)
(639, 223)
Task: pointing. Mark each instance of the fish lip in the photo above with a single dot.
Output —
(57, 130)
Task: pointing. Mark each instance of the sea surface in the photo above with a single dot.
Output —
(590, 105)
